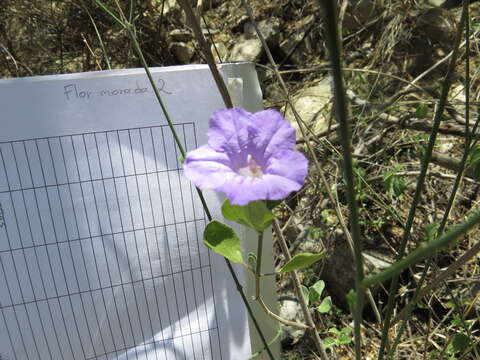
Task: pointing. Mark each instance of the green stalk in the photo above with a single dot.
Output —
(129, 28)
(202, 198)
(423, 252)
(468, 141)
(139, 52)
(99, 37)
(420, 183)
(258, 296)
(334, 47)
(258, 268)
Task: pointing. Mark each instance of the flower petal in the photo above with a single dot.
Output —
(289, 164)
(228, 130)
(273, 132)
(239, 140)
(207, 168)
(242, 190)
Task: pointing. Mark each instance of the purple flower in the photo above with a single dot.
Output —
(248, 157)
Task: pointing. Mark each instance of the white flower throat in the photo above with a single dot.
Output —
(252, 169)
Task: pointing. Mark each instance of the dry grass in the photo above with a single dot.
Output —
(398, 39)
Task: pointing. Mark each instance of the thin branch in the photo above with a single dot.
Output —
(334, 47)
(207, 51)
(128, 27)
(297, 287)
(421, 180)
(258, 297)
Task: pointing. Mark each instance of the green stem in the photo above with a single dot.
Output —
(420, 183)
(207, 52)
(139, 52)
(468, 141)
(258, 297)
(128, 27)
(334, 47)
(258, 269)
(423, 252)
(99, 37)
(297, 286)
(202, 199)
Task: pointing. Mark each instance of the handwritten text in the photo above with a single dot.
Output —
(74, 91)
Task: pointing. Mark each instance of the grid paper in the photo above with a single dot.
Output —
(91, 266)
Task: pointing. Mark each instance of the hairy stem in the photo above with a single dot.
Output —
(418, 191)
(334, 48)
(468, 141)
(423, 252)
(258, 297)
(129, 29)
(298, 291)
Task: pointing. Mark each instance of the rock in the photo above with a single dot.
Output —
(313, 106)
(274, 93)
(74, 65)
(247, 50)
(239, 27)
(209, 4)
(438, 26)
(457, 97)
(358, 13)
(220, 51)
(170, 9)
(338, 271)
(270, 30)
(180, 35)
(290, 309)
(300, 52)
(449, 4)
(182, 52)
(298, 42)
(375, 262)
(249, 47)
(432, 34)
(436, 2)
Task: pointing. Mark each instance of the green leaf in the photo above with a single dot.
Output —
(346, 331)
(315, 233)
(272, 204)
(394, 183)
(255, 214)
(334, 331)
(460, 342)
(301, 261)
(431, 231)
(305, 293)
(344, 340)
(422, 111)
(398, 185)
(316, 291)
(456, 321)
(329, 342)
(222, 239)
(325, 306)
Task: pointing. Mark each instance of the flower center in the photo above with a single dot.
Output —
(252, 169)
